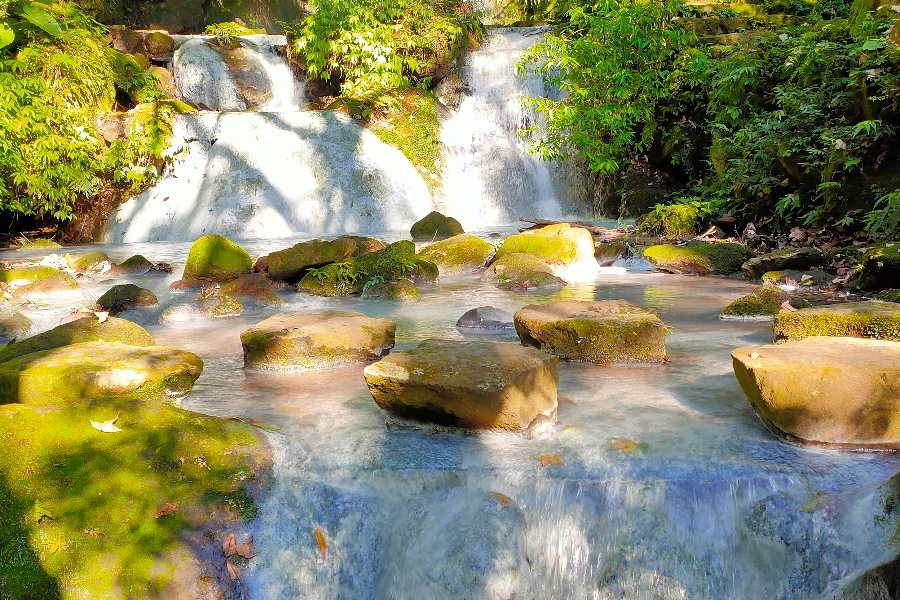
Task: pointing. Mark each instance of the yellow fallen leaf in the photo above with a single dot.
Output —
(625, 445)
(503, 499)
(551, 459)
(320, 537)
(106, 426)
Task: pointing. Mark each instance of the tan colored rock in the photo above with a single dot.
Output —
(254, 287)
(477, 385)
(612, 331)
(310, 340)
(834, 391)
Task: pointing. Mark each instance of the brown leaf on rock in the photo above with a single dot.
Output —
(93, 532)
(233, 572)
(229, 546)
(624, 444)
(551, 459)
(246, 550)
(320, 537)
(503, 499)
(169, 508)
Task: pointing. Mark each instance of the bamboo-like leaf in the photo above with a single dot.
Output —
(41, 18)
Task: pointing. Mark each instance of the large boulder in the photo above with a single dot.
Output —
(26, 275)
(780, 260)
(698, 258)
(834, 391)
(607, 252)
(521, 271)
(214, 307)
(126, 40)
(214, 258)
(86, 262)
(308, 340)
(879, 320)
(486, 317)
(285, 264)
(608, 331)
(880, 268)
(435, 226)
(393, 262)
(88, 329)
(95, 370)
(458, 254)
(122, 297)
(478, 385)
(158, 45)
(569, 251)
(254, 287)
(761, 304)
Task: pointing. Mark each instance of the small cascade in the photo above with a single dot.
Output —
(491, 178)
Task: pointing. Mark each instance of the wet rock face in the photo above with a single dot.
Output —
(392, 263)
(458, 254)
(216, 307)
(699, 258)
(122, 297)
(879, 320)
(834, 391)
(306, 340)
(291, 262)
(762, 304)
(434, 227)
(486, 317)
(254, 287)
(521, 271)
(93, 370)
(476, 385)
(881, 268)
(400, 291)
(215, 258)
(780, 260)
(612, 331)
(57, 282)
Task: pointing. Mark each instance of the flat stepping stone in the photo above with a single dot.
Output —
(610, 331)
(215, 307)
(833, 391)
(880, 320)
(486, 317)
(476, 385)
(285, 342)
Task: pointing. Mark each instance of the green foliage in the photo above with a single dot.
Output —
(226, 33)
(684, 217)
(411, 125)
(884, 218)
(617, 64)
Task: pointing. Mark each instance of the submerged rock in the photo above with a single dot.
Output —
(569, 251)
(13, 324)
(761, 304)
(834, 391)
(458, 254)
(521, 271)
(435, 226)
(215, 307)
(699, 258)
(611, 331)
(486, 317)
(253, 287)
(477, 385)
(309, 340)
(780, 260)
(216, 259)
(402, 291)
(87, 329)
(135, 265)
(879, 320)
(57, 282)
(94, 370)
(122, 297)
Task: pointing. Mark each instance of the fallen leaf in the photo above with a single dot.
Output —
(551, 459)
(624, 444)
(320, 537)
(169, 508)
(246, 550)
(786, 307)
(102, 315)
(54, 546)
(41, 513)
(106, 426)
(228, 546)
(233, 572)
(93, 532)
(201, 463)
(644, 446)
(502, 498)
(754, 355)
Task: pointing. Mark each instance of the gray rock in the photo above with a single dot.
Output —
(781, 260)
(486, 317)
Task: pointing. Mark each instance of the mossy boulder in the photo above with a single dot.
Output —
(609, 331)
(158, 45)
(392, 263)
(88, 329)
(254, 287)
(122, 297)
(880, 320)
(126, 40)
(309, 340)
(699, 258)
(521, 271)
(780, 260)
(215, 258)
(834, 391)
(803, 281)
(86, 262)
(26, 275)
(95, 370)
(435, 226)
(477, 385)
(888, 296)
(458, 254)
(285, 264)
(134, 266)
(336, 279)
(880, 268)
(55, 283)
(424, 272)
(215, 307)
(561, 246)
(13, 324)
(760, 305)
(39, 244)
(400, 291)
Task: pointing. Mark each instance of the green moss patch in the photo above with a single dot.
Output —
(392, 263)
(888, 296)
(880, 268)
(40, 244)
(400, 291)
(435, 226)
(86, 262)
(123, 297)
(458, 254)
(699, 258)
(214, 258)
(292, 261)
(27, 274)
(764, 302)
(855, 319)
(553, 249)
(87, 329)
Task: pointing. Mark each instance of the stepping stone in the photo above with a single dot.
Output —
(286, 342)
(486, 317)
(217, 259)
(476, 385)
(880, 320)
(781, 260)
(834, 391)
(610, 331)
(216, 307)
(698, 258)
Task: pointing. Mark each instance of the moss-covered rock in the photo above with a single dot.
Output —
(458, 254)
(804, 281)
(215, 258)
(94, 370)
(833, 391)
(86, 262)
(26, 275)
(607, 253)
(760, 305)
(336, 279)
(307, 340)
(435, 226)
(158, 45)
(780, 260)
(880, 268)
(215, 307)
(285, 264)
(424, 273)
(39, 244)
(610, 331)
(400, 291)
(125, 296)
(888, 296)
(254, 287)
(88, 329)
(854, 319)
(13, 324)
(392, 263)
(550, 244)
(478, 385)
(134, 266)
(55, 283)
(521, 271)
(698, 258)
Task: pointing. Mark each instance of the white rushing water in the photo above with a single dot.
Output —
(712, 507)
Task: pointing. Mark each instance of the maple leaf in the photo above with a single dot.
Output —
(625, 445)
(320, 537)
(169, 508)
(551, 459)
(106, 426)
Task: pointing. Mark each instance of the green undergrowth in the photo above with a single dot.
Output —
(410, 123)
(80, 509)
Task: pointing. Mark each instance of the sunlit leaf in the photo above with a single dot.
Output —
(246, 550)
(106, 426)
(320, 537)
(40, 512)
(41, 18)
(625, 445)
(7, 35)
(551, 459)
(503, 499)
